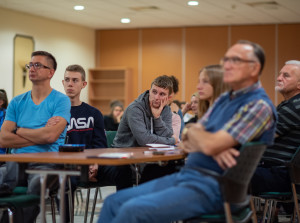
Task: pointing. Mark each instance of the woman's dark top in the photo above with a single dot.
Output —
(110, 124)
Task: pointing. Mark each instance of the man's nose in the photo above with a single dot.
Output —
(279, 77)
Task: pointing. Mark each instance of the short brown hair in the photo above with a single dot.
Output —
(50, 58)
(77, 68)
(164, 82)
(175, 84)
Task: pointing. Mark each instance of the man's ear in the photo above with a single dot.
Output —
(170, 97)
(298, 85)
(63, 82)
(84, 84)
(256, 68)
(51, 73)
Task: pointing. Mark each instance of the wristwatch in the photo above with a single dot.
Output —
(15, 130)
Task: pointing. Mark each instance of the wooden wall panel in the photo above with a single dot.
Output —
(265, 36)
(288, 46)
(119, 48)
(161, 54)
(204, 46)
(168, 50)
(288, 43)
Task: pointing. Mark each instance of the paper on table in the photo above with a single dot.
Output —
(115, 155)
(164, 149)
(154, 145)
(161, 147)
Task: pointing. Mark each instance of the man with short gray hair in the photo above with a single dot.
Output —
(270, 177)
(239, 116)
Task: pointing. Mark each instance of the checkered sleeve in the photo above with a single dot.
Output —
(250, 121)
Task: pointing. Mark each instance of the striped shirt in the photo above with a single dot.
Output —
(287, 130)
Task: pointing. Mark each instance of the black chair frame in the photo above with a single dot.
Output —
(234, 184)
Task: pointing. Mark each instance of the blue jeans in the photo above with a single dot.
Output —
(182, 195)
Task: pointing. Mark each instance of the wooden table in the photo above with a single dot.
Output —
(82, 158)
(87, 157)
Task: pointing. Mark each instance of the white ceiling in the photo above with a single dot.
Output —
(106, 14)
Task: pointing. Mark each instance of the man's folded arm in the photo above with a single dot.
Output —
(199, 140)
(8, 139)
(44, 135)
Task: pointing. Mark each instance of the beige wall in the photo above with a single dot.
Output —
(69, 43)
(148, 52)
(184, 51)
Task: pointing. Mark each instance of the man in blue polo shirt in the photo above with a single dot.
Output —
(28, 125)
(241, 115)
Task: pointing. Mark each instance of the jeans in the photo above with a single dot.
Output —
(181, 195)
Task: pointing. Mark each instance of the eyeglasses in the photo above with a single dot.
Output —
(236, 60)
(36, 66)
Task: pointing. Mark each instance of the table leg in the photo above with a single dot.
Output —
(62, 185)
(63, 174)
(43, 181)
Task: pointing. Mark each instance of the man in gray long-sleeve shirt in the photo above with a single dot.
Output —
(149, 120)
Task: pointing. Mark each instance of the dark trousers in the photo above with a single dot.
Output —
(153, 171)
(120, 176)
(272, 179)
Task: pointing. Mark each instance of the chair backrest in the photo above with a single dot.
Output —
(235, 181)
(294, 167)
(110, 135)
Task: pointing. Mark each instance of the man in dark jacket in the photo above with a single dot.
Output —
(87, 127)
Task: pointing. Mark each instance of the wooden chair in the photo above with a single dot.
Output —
(234, 184)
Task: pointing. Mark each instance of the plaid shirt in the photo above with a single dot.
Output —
(250, 121)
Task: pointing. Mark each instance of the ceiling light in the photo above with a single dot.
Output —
(78, 7)
(193, 3)
(125, 20)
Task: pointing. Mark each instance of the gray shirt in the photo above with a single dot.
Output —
(138, 126)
